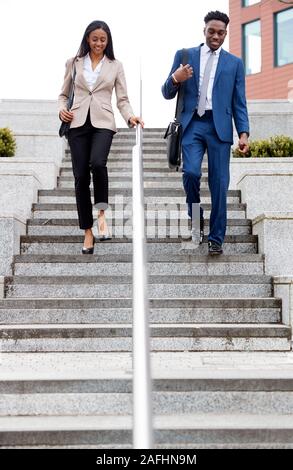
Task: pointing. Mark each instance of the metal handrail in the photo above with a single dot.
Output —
(142, 407)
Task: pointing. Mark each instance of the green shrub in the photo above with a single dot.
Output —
(277, 146)
(7, 143)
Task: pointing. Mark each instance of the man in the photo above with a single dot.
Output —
(214, 92)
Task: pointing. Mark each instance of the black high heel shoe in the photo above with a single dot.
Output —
(89, 251)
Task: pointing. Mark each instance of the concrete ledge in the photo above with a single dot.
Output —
(19, 190)
(275, 237)
(270, 117)
(41, 145)
(12, 227)
(46, 170)
(283, 289)
(242, 166)
(266, 190)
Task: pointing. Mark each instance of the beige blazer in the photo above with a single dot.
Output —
(99, 99)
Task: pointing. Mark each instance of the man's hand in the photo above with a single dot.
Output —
(183, 73)
(243, 144)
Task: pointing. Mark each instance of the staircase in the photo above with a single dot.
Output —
(222, 377)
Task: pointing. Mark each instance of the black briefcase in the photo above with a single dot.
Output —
(173, 137)
(173, 134)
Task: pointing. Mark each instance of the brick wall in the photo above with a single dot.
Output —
(271, 82)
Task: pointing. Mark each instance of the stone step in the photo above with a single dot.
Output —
(174, 193)
(195, 430)
(114, 175)
(71, 227)
(156, 185)
(153, 142)
(63, 210)
(108, 396)
(126, 164)
(163, 337)
(116, 286)
(148, 156)
(71, 245)
(162, 170)
(191, 310)
(126, 154)
(34, 265)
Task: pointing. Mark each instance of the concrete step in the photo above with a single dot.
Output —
(34, 265)
(115, 286)
(126, 164)
(175, 194)
(153, 204)
(192, 431)
(148, 142)
(157, 185)
(164, 337)
(71, 245)
(156, 175)
(162, 170)
(108, 396)
(149, 155)
(191, 310)
(71, 227)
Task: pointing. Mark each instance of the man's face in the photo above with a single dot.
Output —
(215, 32)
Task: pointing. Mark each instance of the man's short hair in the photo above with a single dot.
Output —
(217, 15)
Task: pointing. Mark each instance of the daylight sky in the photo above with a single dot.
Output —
(37, 37)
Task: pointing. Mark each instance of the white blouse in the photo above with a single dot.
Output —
(91, 75)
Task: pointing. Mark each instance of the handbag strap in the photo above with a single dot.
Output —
(71, 93)
(180, 96)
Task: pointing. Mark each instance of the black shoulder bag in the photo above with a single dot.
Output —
(65, 126)
(173, 133)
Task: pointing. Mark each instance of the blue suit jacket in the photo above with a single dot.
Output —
(228, 94)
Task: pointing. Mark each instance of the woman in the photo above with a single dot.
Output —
(92, 122)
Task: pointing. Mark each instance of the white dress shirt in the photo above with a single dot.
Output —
(91, 75)
(204, 55)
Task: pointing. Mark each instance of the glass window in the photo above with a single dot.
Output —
(247, 3)
(252, 47)
(284, 37)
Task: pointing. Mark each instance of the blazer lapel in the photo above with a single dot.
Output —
(196, 65)
(221, 65)
(79, 73)
(104, 72)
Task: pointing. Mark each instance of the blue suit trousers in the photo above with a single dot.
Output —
(201, 136)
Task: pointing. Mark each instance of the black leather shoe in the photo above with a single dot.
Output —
(215, 248)
(89, 251)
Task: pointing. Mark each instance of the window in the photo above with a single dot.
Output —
(284, 37)
(247, 3)
(252, 47)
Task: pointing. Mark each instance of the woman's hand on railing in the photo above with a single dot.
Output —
(134, 120)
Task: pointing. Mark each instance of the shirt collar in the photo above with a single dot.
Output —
(206, 49)
(88, 61)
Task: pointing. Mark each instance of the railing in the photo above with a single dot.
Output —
(142, 412)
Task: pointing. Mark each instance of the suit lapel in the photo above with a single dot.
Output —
(221, 65)
(104, 72)
(196, 66)
(79, 73)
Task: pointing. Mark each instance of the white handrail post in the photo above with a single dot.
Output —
(142, 404)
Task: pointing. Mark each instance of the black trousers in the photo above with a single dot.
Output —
(90, 148)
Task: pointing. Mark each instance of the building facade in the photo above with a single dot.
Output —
(261, 32)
